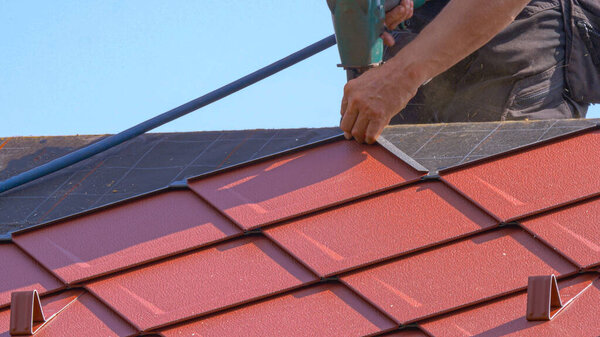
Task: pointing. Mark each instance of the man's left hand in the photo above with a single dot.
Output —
(371, 100)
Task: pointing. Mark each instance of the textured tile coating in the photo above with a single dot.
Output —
(298, 183)
(452, 276)
(18, 272)
(535, 179)
(201, 282)
(77, 314)
(125, 235)
(506, 317)
(376, 228)
(323, 310)
(574, 231)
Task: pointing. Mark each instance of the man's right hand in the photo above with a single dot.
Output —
(396, 16)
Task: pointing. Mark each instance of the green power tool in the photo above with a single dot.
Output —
(358, 26)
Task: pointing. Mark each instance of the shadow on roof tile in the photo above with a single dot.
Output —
(451, 276)
(506, 316)
(573, 230)
(301, 182)
(323, 310)
(126, 234)
(532, 180)
(19, 273)
(81, 315)
(201, 282)
(380, 227)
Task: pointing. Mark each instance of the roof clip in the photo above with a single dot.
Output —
(543, 298)
(26, 315)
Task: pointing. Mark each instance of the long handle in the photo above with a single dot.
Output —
(114, 140)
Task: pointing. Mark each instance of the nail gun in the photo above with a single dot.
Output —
(358, 26)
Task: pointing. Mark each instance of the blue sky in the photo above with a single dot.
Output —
(92, 67)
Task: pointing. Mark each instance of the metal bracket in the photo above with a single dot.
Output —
(26, 315)
(5, 237)
(179, 184)
(543, 298)
(431, 175)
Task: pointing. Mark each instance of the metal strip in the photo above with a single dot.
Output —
(400, 154)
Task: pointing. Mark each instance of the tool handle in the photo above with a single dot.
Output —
(391, 4)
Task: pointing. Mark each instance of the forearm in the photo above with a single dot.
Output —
(462, 27)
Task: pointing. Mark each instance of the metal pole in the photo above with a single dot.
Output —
(114, 140)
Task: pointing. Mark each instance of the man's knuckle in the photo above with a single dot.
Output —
(373, 115)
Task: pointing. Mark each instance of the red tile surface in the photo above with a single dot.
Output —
(536, 179)
(506, 317)
(574, 231)
(452, 276)
(125, 235)
(18, 272)
(81, 315)
(380, 227)
(201, 282)
(301, 182)
(406, 333)
(323, 310)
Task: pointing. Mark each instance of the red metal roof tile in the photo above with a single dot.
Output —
(18, 272)
(574, 231)
(201, 282)
(301, 182)
(323, 310)
(81, 315)
(407, 333)
(380, 227)
(455, 275)
(506, 317)
(535, 179)
(128, 234)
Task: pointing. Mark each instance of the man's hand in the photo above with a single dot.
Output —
(371, 100)
(396, 16)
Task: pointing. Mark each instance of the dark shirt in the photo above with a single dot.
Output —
(519, 74)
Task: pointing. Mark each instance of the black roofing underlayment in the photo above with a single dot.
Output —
(146, 163)
(154, 161)
(437, 146)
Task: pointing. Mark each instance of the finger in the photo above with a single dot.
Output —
(348, 120)
(373, 131)
(388, 39)
(360, 128)
(344, 105)
(394, 17)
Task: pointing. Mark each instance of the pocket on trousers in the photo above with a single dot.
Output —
(583, 50)
(536, 92)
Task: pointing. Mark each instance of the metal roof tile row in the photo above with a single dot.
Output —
(201, 282)
(573, 230)
(303, 182)
(136, 231)
(533, 180)
(19, 272)
(503, 317)
(322, 310)
(405, 250)
(380, 227)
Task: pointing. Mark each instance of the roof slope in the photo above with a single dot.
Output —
(145, 163)
(154, 161)
(335, 239)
